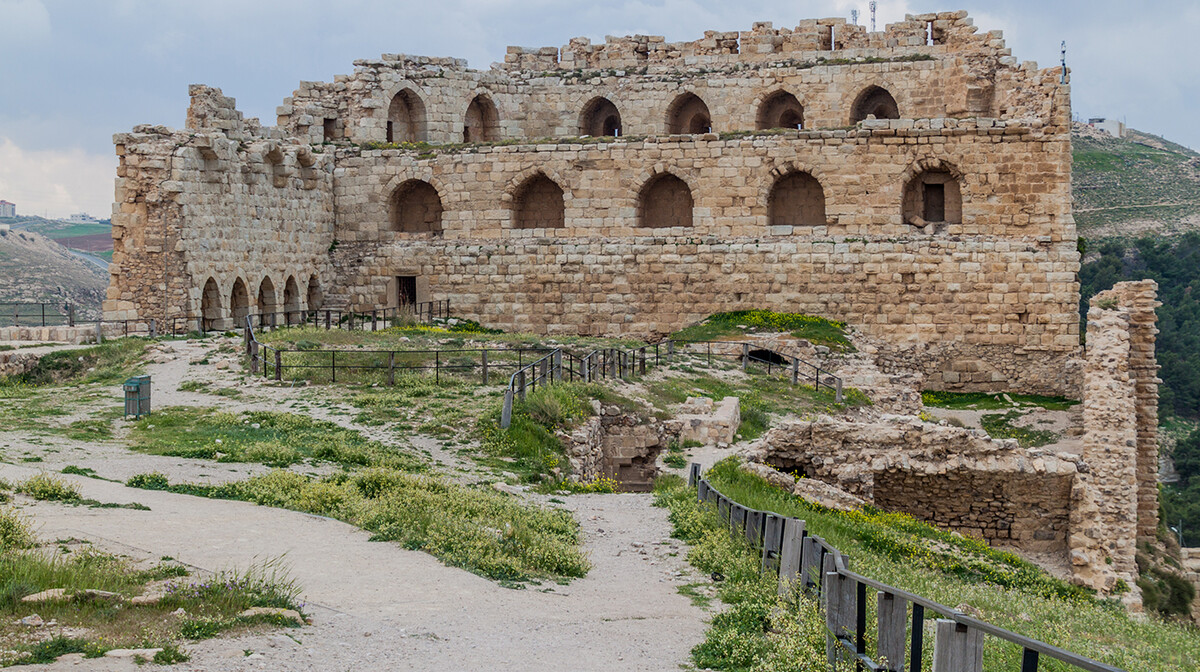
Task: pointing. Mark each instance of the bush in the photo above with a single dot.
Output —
(150, 481)
(15, 531)
(48, 488)
(171, 654)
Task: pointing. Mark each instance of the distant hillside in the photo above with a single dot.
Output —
(35, 268)
(1132, 186)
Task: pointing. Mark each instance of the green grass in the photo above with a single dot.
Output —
(953, 570)
(108, 363)
(478, 529)
(45, 487)
(816, 330)
(982, 401)
(1001, 426)
(265, 437)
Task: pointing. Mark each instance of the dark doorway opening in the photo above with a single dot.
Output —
(935, 203)
(406, 290)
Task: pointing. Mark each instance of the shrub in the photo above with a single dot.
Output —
(48, 488)
(150, 481)
(171, 654)
(15, 531)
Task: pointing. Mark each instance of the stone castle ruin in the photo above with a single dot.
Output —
(913, 182)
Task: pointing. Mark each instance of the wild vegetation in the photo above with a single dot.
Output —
(817, 330)
(913, 556)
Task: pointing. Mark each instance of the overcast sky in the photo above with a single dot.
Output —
(73, 72)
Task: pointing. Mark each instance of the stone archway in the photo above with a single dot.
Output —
(600, 118)
(538, 204)
(665, 201)
(406, 118)
(874, 101)
(239, 303)
(211, 313)
(688, 114)
(482, 121)
(291, 301)
(780, 110)
(416, 208)
(796, 199)
(313, 298)
(267, 304)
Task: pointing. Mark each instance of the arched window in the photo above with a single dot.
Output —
(538, 204)
(482, 122)
(796, 199)
(874, 101)
(291, 301)
(600, 118)
(688, 114)
(314, 293)
(665, 201)
(210, 306)
(780, 110)
(932, 197)
(239, 303)
(406, 118)
(416, 208)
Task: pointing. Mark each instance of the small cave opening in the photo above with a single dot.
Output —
(769, 357)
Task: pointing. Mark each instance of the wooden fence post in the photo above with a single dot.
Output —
(642, 361)
(957, 648)
(374, 320)
(810, 564)
(278, 365)
(789, 554)
(521, 384)
(557, 367)
(70, 314)
(795, 370)
(893, 615)
(391, 367)
(485, 366)
(670, 351)
(693, 474)
(253, 357)
(333, 366)
(745, 355)
(153, 328)
(838, 392)
(772, 533)
(840, 608)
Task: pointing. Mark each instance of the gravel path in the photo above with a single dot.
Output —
(376, 606)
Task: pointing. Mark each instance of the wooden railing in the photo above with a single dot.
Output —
(807, 563)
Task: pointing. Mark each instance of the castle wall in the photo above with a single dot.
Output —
(989, 302)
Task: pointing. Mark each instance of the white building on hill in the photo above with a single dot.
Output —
(8, 209)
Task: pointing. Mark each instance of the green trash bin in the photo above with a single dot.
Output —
(137, 396)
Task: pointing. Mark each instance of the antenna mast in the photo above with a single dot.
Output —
(854, 16)
(872, 6)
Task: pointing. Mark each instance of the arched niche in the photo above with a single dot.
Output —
(688, 114)
(538, 204)
(874, 101)
(406, 121)
(415, 207)
(482, 120)
(665, 201)
(796, 199)
(780, 110)
(600, 118)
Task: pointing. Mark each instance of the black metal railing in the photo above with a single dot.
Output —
(36, 314)
(806, 563)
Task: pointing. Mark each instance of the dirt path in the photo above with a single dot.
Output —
(376, 606)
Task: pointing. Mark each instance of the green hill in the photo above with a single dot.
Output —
(1132, 186)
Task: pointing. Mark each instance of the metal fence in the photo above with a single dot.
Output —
(807, 563)
(34, 314)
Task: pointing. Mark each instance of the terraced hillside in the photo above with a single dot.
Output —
(1132, 186)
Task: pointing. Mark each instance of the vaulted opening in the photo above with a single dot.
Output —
(291, 300)
(600, 118)
(210, 305)
(538, 204)
(796, 199)
(932, 197)
(874, 101)
(406, 118)
(239, 303)
(416, 208)
(314, 293)
(780, 110)
(665, 201)
(688, 115)
(266, 302)
(482, 122)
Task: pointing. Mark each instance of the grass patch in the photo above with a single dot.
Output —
(478, 529)
(108, 363)
(45, 487)
(265, 437)
(1001, 426)
(953, 570)
(816, 330)
(982, 401)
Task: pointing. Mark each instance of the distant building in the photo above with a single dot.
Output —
(1111, 126)
(81, 217)
(8, 209)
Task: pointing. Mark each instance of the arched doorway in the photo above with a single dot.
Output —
(266, 303)
(665, 201)
(211, 315)
(600, 118)
(482, 121)
(932, 197)
(313, 296)
(538, 204)
(239, 303)
(291, 301)
(688, 114)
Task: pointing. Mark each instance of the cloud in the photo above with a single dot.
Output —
(23, 22)
(56, 182)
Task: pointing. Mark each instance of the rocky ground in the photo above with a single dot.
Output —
(373, 605)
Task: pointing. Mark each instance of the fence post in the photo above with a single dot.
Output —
(485, 367)
(153, 328)
(810, 564)
(745, 355)
(795, 370)
(840, 608)
(957, 648)
(333, 366)
(374, 320)
(837, 397)
(246, 338)
(670, 351)
(391, 367)
(642, 364)
(70, 314)
(253, 352)
(693, 474)
(327, 321)
(521, 384)
(893, 614)
(278, 365)
(558, 365)
(772, 531)
(789, 554)
(506, 412)
(99, 331)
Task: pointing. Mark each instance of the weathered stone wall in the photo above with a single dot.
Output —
(84, 333)
(228, 217)
(224, 200)
(617, 445)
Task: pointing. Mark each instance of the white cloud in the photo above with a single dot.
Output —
(23, 22)
(56, 182)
